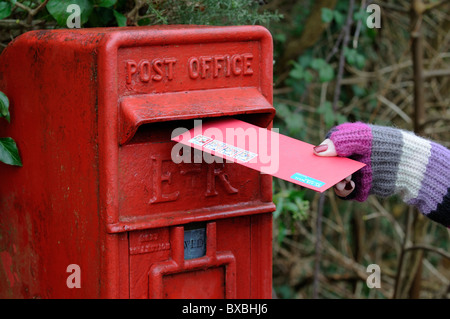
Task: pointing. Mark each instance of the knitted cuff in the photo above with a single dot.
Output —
(354, 140)
(397, 162)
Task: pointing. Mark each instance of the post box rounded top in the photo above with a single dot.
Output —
(154, 35)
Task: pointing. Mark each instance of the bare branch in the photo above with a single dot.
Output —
(436, 73)
(433, 5)
(23, 7)
(12, 24)
(38, 8)
(348, 24)
(436, 250)
(31, 12)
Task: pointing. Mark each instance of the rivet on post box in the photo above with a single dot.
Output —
(92, 112)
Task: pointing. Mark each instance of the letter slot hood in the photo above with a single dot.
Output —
(143, 109)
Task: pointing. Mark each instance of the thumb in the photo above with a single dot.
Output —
(326, 148)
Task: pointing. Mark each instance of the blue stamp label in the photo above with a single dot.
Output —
(307, 180)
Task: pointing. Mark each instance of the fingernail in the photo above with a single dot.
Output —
(348, 186)
(321, 148)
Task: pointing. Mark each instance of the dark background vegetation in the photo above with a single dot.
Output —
(329, 67)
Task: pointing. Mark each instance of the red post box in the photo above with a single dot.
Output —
(99, 208)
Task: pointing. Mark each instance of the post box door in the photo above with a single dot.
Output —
(159, 269)
(233, 264)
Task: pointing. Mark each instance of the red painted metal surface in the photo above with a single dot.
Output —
(92, 113)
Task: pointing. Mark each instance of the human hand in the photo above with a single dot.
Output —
(344, 187)
(397, 162)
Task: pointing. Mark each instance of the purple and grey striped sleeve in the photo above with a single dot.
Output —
(397, 162)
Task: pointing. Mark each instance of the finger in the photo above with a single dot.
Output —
(341, 185)
(326, 148)
(347, 189)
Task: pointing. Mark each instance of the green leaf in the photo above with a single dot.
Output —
(327, 15)
(358, 90)
(297, 72)
(317, 64)
(305, 60)
(9, 153)
(359, 15)
(295, 194)
(326, 73)
(279, 206)
(354, 58)
(290, 206)
(282, 110)
(324, 108)
(5, 9)
(339, 18)
(281, 37)
(145, 21)
(282, 232)
(360, 61)
(308, 76)
(294, 123)
(340, 118)
(329, 118)
(101, 17)
(4, 106)
(58, 10)
(350, 56)
(105, 3)
(120, 18)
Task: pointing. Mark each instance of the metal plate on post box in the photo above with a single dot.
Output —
(194, 243)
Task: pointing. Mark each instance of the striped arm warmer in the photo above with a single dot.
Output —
(397, 162)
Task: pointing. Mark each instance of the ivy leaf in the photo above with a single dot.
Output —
(105, 3)
(324, 108)
(317, 64)
(9, 153)
(305, 60)
(327, 15)
(281, 37)
(290, 206)
(5, 9)
(58, 10)
(297, 72)
(339, 18)
(326, 73)
(340, 118)
(360, 61)
(283, 110)
(308, 76)
(4, 106)
(279, 206)
(294, 123)
(354, 58)
(282, 232)
(350, 55)
(358, 90)
(120, 18)
(329, 118)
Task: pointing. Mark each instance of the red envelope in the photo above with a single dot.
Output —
(268, 152)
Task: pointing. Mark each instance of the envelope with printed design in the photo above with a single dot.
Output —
(268, 152)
